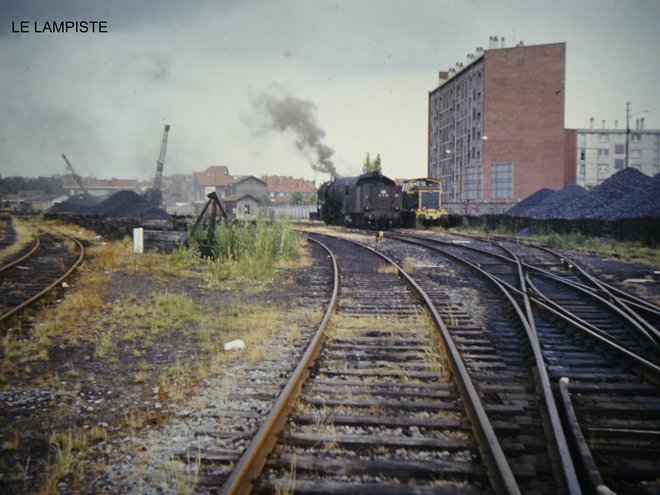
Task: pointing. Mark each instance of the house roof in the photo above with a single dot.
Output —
(48, 197)
(243, 178)
(215, 175)
(280, 183)
(90, 183)
(237, 197)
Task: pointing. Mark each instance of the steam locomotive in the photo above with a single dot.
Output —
(370, 200)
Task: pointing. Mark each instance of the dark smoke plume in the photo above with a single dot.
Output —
(300, 117)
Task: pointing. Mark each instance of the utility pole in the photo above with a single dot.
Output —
(627, 132)
(628, 115)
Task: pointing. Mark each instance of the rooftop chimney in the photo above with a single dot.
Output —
(502, 45)
(641, 123)
(591, 123)
(616, 124)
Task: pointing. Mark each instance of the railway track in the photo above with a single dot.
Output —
(31, 275)
(380, 412)
(602, 369)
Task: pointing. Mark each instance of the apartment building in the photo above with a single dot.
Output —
(602, 152)
(496, 125)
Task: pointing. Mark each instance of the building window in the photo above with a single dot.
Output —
(603, 152)
(246, 209)
(583, 155)
(474, 182)
(502, 180)
(635, 153)
(635, 137)
(619, 149)
(602, 167)
(604, 138)
(618, 163)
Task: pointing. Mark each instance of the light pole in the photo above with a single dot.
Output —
(628, 115)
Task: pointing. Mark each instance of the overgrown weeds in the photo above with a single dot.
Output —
(248, 250)
(629, 251)
(66, 462)
(24, 236)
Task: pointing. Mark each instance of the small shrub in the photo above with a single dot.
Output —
(253, 251)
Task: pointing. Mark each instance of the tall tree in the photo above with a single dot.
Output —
(370, 165)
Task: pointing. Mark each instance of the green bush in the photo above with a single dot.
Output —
(247, 250)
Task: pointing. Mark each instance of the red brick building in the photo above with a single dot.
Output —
(281, 189)
(496, 126)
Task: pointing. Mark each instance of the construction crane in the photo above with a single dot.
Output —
(154, 195)
(76, 177)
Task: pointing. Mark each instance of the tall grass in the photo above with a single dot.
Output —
(251, 250)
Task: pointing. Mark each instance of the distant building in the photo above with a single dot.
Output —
(281, 189)
(248, 185)
(42, 202)
(99, 187)
(214, 179)
(241, 206)
(496, 125)
(602, 152)
(30, 200)
(238, 195)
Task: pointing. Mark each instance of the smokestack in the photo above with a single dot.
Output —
(299, 116)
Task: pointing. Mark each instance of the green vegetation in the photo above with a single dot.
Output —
(246, 250)
(629, 251)
(296, 198)
(370, 165)
(624, 250)
(47, 185)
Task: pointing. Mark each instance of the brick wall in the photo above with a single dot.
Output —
(524, 117)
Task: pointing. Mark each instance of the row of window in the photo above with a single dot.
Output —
(501, 181)
(605, 138)
(618, 150)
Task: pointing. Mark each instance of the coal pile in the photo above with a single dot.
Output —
(627, 194)
(554, 205)
(127, 204)
(643, 201)
(614, 199)
(529, 202)
(78, 204)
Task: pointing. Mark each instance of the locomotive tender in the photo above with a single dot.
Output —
(370, 200)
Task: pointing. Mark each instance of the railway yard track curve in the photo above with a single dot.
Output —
(424, 362)
(601, 357)
(36, 270)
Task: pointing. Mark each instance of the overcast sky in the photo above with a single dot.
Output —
(365, 65)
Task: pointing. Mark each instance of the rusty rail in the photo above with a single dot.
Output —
(47, 289)
(253, 459)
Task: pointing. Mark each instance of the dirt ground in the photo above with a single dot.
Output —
(58, 407)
